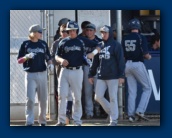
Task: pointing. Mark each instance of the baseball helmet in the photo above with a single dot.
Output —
(134, 24)
(72, 25)
(63, 21)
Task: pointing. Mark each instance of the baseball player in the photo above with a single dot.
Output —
(70, 54)
(83, 27)
(63, 34)
(135, 50)
(110, 64)
(88, 88)
(33, 53)
(62, 21)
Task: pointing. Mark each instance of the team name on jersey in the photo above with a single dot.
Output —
(72, 48)
(36, 50)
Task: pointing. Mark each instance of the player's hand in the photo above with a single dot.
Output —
(90, 55)
(121, 80)
(65, 63)
(50, 67)
(91, 80)
(30, 55)
(147, 56)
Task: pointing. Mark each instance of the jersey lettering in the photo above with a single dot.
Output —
(72, 48)
(36, 50)
(130, 45)
(104, 53)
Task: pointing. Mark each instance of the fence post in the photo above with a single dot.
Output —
(119, 37)
(120, 101)
(52, 103)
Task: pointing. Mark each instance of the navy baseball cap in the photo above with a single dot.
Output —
(63, 21)
(35, 28)
(91, 26)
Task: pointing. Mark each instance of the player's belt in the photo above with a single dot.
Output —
(133, 60)
(73, 68)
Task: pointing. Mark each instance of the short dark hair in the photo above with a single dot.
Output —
(84, 24)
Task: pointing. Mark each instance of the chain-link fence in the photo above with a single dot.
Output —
(20, 21)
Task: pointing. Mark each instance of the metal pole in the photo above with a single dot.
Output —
(43, 24)
(52, 103)
(50, 27)
(109, 17)
(42, 14)
(119, 38)
(119, 25)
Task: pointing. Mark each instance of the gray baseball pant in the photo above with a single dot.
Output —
(136, 71)
(88, 90)
(111, 107)
(36, 82)
(70, 80)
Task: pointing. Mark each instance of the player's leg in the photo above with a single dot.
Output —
(69, 104)
(30, 85)
(113, 89)
(88, 90)
(42, 96)
(143, 77)
(132, 89)
(97, 106)
(63, 89)
(101, 86)
(75, 80)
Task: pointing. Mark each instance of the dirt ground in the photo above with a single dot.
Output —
(95, 122)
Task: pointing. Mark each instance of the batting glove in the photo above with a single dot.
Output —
(30, 55)
(88, 61)
(50, 67)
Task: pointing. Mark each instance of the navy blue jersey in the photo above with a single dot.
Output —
(90, 45)
(96, 41)
(135, 46)
(73, 50)
(42, 54)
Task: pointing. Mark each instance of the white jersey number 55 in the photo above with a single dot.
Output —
(130, 45)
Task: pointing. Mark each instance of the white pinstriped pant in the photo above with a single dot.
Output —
(136, 71)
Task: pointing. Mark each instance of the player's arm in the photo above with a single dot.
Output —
(95, 51)
(26, 57)
(92, 54)
(21, 55)
(21, 60)
(147, 56)
(62, 61)
(144, 47)
(93, 69)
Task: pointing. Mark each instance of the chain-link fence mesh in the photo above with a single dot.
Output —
(20, 21)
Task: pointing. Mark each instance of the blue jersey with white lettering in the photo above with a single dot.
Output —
(42, 54)
(73, 50)
(135, 46)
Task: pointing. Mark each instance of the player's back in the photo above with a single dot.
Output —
(132, 47)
